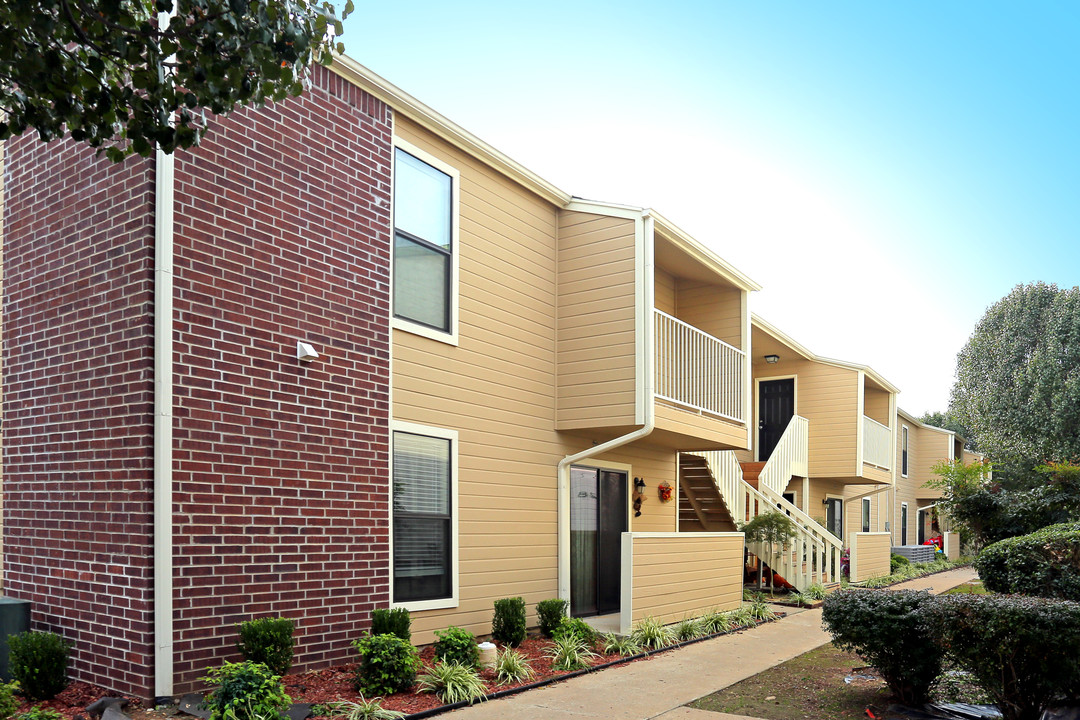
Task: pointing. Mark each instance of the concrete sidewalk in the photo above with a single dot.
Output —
(659, 686)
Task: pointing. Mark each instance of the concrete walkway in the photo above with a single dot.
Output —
(659, 686)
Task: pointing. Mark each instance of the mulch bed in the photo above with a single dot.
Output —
(327, 685)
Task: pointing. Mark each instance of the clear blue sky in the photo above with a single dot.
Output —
(885, 170)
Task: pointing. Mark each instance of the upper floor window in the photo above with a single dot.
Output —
(425, 230)
(903, 450)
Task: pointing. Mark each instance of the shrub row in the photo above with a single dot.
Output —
(1045, 563)
(1023, 651)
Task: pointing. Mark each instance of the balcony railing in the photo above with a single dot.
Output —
(877, 444)
(698, 371)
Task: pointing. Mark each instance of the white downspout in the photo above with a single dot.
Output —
(164, 194)
(163, 400)
(164, 186)
(648, 403)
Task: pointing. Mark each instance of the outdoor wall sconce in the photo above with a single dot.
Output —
(305, 352)
(772, 359)
(639, 485)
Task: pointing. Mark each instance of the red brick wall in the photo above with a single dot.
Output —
(78, 394)
(281, 467)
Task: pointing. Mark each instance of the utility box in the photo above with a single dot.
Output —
(14, 619)
(916, 553)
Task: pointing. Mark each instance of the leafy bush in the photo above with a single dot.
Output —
(360, 710)
(1022, 650)
(40, 713)
(895, 561)
(8, 702)
(550, 613)
(268, 641)
(569, 652)
(1044, 563)
(652, 634)
(393, 621)
(39, 663)
(245, 691)
(512, 667)
(508, 625)
(887, 630)
(578, 628)
(388, 664)
(453, 682)
(457, 645)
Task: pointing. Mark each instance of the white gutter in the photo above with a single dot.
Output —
(646, 278)
(164, 186)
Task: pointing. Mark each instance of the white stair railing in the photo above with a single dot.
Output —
(727, 476)
(789, 458)
(813, 556)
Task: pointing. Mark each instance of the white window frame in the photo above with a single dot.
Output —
(398, 323)
(903, 523)
(867, 521)
(455, 560)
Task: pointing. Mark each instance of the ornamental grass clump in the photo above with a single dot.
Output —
(512, 667)
(688, 629)
(268, 641)
(714, 622)
(453, 683)
(362, 709)
(652, 634)
(569, 652)
(622, 645)
(888, 630)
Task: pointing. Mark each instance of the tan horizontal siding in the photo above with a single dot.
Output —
(714, 309)
(596, 352)
(664, 295)
(871, 552)
(718, 431)
(676, 577)
(827, 397)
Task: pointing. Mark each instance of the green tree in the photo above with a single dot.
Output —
(1017, 387)
(122, 77)
(946, 422)
(772, 530)
(987, 511)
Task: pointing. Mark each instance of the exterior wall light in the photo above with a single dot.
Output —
(772, 359)
(639, 485)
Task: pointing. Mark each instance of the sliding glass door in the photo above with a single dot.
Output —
(598, 512)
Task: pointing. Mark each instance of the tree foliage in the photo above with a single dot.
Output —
(121, 77)
(945, 421)
(1017, 387)
(988, 510)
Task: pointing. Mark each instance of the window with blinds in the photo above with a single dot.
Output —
(422, 517)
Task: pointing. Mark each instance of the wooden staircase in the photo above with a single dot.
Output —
(751, 471)
(701, 507)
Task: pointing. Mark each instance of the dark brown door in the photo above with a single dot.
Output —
(776, 406)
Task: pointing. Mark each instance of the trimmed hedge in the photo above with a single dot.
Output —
(887, 630)
(1023, 651)
(1045, 563)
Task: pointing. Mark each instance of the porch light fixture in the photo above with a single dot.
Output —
(639, 485)
(772, 359)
